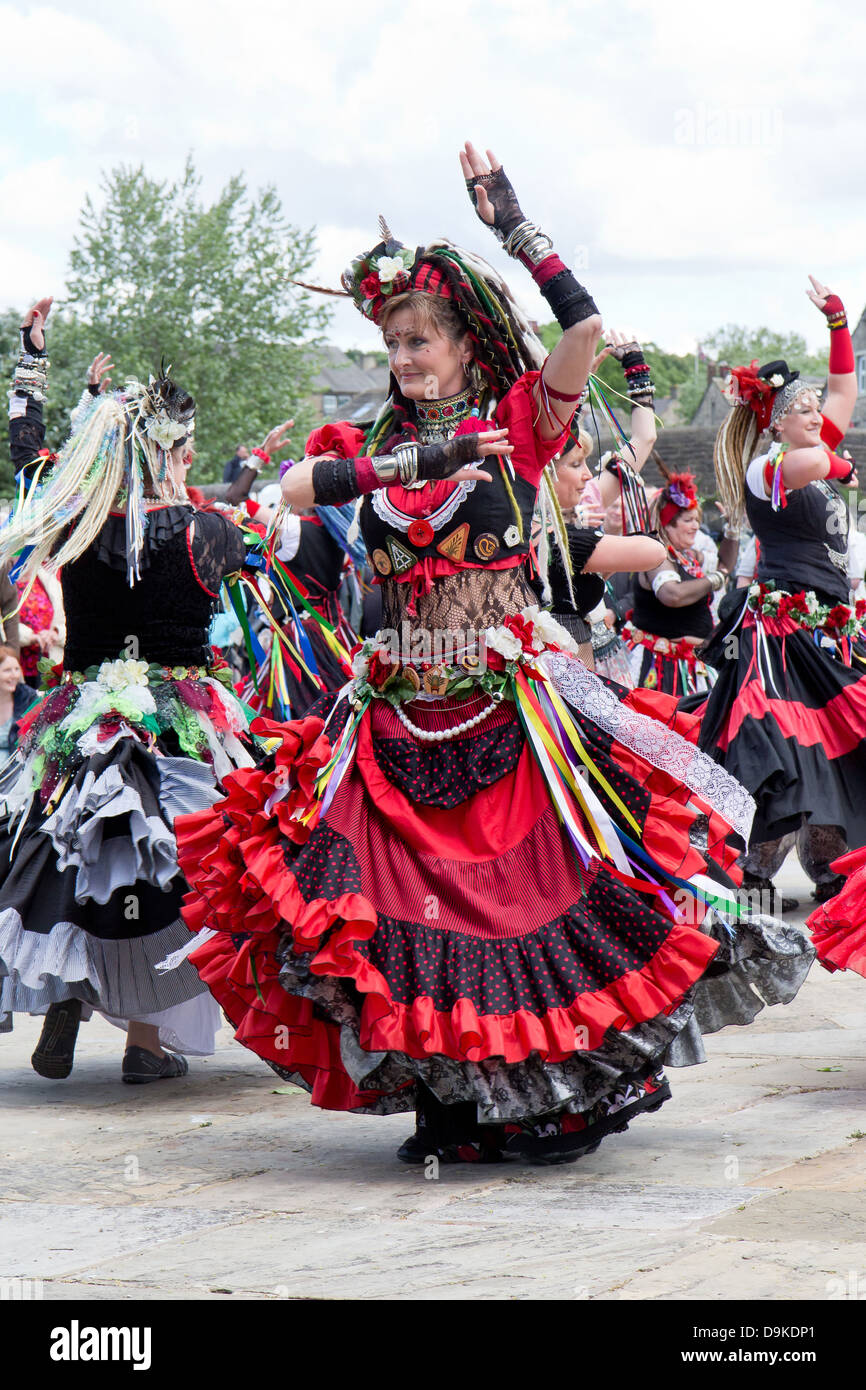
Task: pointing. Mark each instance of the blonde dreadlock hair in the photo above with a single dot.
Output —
(737, 443)
(117, 454)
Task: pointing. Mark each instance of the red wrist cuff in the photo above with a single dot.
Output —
(841, 352)
(366, 477)
(260, 454)
(839, 468)
(550, 266)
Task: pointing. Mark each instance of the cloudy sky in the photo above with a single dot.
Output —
(695, 161)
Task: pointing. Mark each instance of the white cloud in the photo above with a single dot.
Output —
(698, 161)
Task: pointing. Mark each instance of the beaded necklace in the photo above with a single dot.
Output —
(437, 420)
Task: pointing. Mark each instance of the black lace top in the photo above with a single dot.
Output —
(164, 617)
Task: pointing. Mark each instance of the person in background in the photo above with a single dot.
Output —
(41, 624)
(236, 465)
(9, 625)
(15, 699)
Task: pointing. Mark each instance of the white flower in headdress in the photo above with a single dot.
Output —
(777, 380)
(164, 431)
(387, 268)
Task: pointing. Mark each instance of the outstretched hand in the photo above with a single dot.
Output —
(101, 364)
(469, 447)
(34, 320)
(491, 191)
(275, 440)
(621, 343)
(823, 297)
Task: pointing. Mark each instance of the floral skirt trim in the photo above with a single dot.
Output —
(197, 712)
(667, 664)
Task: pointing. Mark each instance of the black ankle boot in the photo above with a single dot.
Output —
(753, 882)
(823, 892)
(55, 1049)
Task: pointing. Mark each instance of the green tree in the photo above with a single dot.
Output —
(158, 275)
(669, 370)
(735, 344)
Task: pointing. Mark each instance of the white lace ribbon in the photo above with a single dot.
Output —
(651, 740)
(178, 957)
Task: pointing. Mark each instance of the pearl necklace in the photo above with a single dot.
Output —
(441, 735)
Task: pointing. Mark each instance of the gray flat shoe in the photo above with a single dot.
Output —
(140, 1066)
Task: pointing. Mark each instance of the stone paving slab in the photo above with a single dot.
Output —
(749, 1183)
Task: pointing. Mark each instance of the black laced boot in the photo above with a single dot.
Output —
(450, 1134)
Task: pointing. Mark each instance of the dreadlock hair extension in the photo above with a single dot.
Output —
(106, 457)
(735, 447)
(551, 517)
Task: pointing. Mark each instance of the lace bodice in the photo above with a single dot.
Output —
(471, 599)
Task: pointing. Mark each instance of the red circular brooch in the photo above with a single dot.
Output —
(421, 532)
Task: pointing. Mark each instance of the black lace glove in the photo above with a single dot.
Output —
(437, 461)
(507, 213)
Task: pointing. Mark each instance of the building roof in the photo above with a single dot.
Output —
(338, 374)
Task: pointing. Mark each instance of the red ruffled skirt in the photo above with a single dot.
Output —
(437, 910)
(838, 926)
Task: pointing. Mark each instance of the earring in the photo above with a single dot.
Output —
(474, 376)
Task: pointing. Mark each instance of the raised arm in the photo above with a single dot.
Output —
(276, 440)
(29, 389)
(842, 378)
(566, 370)
(641, 392)
(803, 466)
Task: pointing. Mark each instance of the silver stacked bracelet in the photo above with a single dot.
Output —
(529, 240)
(407, 463)
(31, 377)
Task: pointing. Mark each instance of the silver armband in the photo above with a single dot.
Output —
(664, 577)
(407, 463)
(386, 469)
(529, 239)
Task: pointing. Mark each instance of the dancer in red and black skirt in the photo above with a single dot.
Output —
(423, 904)
(672, 617)
(787, 715)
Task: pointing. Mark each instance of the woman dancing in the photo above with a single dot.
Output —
(138, 728)
(439, 912)
(787, 716)
(671, 615)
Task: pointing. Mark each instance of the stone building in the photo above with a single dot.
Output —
(341, 383)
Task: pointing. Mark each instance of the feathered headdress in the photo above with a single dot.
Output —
(116, 453)
(758, 387)
(505, 345)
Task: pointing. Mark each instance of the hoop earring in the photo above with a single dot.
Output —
(474, 376)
